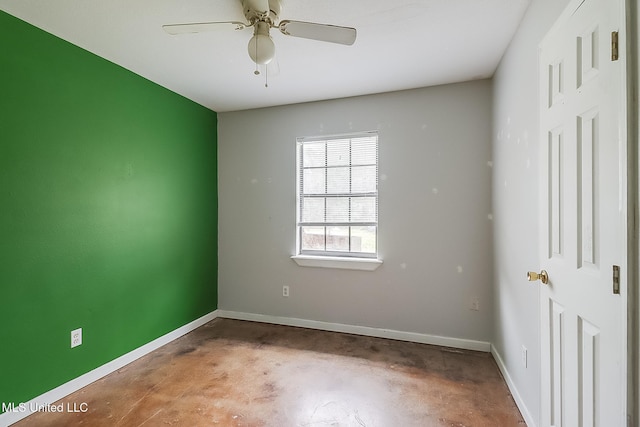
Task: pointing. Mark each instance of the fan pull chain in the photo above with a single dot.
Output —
(266, 76)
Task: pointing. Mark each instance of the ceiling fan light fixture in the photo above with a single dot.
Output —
(263, 15)
(261, 47)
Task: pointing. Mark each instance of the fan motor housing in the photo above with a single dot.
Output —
(254, 15)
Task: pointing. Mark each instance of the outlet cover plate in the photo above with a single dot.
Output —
(76, 337)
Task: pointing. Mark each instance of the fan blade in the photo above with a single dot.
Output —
(199, 27)
(322, 32)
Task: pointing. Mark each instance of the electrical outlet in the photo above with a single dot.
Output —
(76, 337)
(475, 304)
(285, 291)
(524, 356)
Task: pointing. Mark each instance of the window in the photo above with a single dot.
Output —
(337, 189)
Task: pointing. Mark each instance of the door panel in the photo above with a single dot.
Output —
(588, 372)
(556, 312)
(583, 219)
(587, 143)
(555, 192)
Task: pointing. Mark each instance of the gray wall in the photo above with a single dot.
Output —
(515, 201)
(435, 222)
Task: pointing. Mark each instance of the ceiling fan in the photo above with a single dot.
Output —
(263, 15)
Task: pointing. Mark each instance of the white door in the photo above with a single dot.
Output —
(583, 218)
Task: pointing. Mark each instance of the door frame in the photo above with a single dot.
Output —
(631, 53)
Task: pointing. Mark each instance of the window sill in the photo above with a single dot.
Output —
(365, 264)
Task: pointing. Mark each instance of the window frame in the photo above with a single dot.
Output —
(336, 258)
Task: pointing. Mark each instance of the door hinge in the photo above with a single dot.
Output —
(614, 46)
(616, 280)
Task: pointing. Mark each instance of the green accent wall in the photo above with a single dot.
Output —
(108, 210)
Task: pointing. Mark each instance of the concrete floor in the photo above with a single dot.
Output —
(236, 373)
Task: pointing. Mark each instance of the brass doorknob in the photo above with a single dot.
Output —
(532, 276)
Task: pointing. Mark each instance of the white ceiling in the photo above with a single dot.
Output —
(401, 44)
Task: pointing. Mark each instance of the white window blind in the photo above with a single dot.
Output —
(338, 195)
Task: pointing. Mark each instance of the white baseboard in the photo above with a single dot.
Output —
(360, 330)
(512, 388)
(76, 384)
